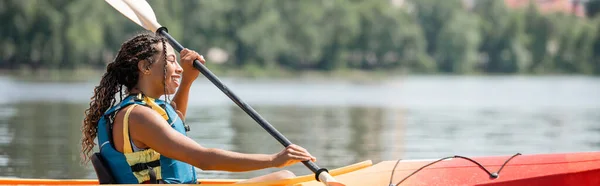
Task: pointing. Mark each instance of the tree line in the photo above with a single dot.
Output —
(417, 36)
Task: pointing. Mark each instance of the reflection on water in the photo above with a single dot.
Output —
(40, 140)
(423, 118)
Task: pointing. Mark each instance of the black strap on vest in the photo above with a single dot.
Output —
(147, 166)
(152, 175)
(143, 166)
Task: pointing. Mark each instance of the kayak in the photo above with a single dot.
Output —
(580, 168)
(296, 181)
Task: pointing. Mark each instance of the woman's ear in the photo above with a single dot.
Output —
(144, 67)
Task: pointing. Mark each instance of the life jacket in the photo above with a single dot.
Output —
(146, 165)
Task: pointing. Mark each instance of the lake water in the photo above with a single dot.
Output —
(338, 121)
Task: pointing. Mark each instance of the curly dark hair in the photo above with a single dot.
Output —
(123, 71)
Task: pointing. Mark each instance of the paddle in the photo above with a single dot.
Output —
(140, 12)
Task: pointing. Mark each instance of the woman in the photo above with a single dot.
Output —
(143, 139)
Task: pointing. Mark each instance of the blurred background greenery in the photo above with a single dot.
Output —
(397, 36)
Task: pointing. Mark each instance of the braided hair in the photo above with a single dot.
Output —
(123, 71)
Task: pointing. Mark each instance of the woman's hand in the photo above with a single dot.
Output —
(187, 57)
(290, 155)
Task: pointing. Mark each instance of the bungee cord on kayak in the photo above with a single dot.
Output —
(493, 175)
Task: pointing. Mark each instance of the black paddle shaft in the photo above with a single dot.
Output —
(247, 108)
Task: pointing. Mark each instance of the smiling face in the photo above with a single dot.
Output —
(167, 70)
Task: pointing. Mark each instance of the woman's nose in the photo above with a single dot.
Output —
(178, 69)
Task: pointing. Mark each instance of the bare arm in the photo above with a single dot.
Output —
(153, 131)
(182, 96)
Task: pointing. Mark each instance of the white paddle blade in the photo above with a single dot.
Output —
(138, 11)
(328, 180)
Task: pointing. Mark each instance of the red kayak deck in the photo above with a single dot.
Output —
(541, 169)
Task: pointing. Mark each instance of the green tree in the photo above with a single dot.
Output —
(433, 15)
(596, 50)
(504, 41)
(32, 36)
(458, 43)
(411, 46)
(592, 8)
(574, 44)
(540, 31)
(388, 39)
(213, 24)
(340, 29)
(301, 22)
(83, 32)
(249, 30)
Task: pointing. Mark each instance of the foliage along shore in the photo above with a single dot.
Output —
(272, 37)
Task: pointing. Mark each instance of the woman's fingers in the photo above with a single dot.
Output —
(190, 55)
(292, 154)
(184, 52)
(303, 150)
(202, 59)
(300, 153)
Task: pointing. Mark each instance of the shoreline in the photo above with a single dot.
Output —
(86, 74)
